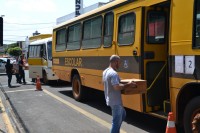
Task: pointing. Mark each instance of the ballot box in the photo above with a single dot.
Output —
(139, 89)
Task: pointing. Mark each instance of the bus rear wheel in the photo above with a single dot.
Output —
(192, 116)
(77, 88)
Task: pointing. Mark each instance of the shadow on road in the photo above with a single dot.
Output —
(143, 121)
(14, 86)
(59, 84)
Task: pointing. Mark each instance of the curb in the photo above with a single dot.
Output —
(5, 119)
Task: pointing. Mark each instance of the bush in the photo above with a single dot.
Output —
(16, 51)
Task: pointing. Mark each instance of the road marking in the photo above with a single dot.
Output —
(91, 116)
(19, 90)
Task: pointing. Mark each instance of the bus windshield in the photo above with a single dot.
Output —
(34, 51)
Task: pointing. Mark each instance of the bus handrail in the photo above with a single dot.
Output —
(155, 79)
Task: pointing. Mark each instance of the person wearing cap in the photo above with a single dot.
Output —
(112, 92)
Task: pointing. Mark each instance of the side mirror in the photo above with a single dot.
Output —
(27, 55)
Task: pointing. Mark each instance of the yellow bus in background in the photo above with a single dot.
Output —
(39, 37)
(40, 60)
(157, 40)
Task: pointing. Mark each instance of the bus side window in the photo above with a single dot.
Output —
(61, 40)
(108, 29)
(74, 37)
(92, 33)
(156, 27)
(126, 32)
(196, 34)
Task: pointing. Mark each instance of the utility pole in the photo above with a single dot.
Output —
(1, 31)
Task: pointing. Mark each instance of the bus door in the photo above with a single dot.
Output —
(49, 54)
(154, 51)
(128, 41)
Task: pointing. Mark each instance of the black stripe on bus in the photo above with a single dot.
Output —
(129, 64)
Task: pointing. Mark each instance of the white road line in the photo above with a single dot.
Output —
(89, 115)
(19, 90)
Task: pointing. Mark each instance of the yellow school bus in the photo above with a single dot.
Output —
(157, 40)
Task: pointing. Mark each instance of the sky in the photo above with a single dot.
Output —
(23, 17)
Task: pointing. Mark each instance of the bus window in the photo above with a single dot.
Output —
(108, 29)
(30, 51)
(196, 43)
(126, 29)
(60, 40)
(74, 36)
(92, 33)
(37, 51)
(156, 28)
(34, 51)
(49, 50)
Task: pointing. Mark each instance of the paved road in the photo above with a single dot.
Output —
(54, 110)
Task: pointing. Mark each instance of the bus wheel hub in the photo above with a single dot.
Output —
(196, 123)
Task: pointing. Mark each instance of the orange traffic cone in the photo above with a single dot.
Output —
(38, 84)
(171, 128)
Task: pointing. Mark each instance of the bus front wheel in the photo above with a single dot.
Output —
(192, 116)
(77, 88)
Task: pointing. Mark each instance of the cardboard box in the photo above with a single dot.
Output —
(141, 87)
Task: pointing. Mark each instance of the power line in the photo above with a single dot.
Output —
(30, 23)
(15, 35)
(10, 40)
(28, 29)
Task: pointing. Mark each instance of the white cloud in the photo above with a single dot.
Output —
(31, 5)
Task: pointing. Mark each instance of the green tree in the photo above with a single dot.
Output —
(16, 51)
(13, 45)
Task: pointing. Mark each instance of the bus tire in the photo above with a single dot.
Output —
(192, 109)
(77, 88)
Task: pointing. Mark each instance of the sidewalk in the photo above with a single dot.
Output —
(7, 116)
(2, 123)
(5, 123)
(3, 128)
(9, 120)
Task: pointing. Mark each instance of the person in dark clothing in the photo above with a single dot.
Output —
(21, 70)
(9, 68)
